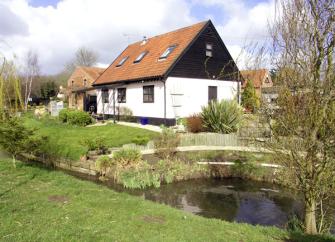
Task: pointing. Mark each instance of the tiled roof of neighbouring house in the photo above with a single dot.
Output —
(93, 72)
(256, 76)
(151, 65)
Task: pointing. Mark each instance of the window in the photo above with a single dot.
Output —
(121, 95)
(212, 93)
(167, 52)
(72, 83)
(140, 57)
(267, 80)
(85, 82)
(105, 96)
(122, 61)
(148, 94)
(209, 50)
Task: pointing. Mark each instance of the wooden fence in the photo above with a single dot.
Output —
(205, 139)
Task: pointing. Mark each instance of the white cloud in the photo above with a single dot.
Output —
(243, 25)
(103, 25)
(107, 26)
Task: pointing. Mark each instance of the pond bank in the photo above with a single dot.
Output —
(51, 206)
(216, 198)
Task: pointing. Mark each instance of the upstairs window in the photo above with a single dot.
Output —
(121, 95)
(122, 61)
(209, 50)
(105, 96)
(167, 52)
(72, 83)
(140, 57)
(85, 82)
(148, 94)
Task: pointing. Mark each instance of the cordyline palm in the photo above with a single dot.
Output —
(222, 117)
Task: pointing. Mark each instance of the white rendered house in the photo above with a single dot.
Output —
(169, 76)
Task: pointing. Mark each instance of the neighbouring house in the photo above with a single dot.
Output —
(81, 93)
(260, 78)
(169, 76)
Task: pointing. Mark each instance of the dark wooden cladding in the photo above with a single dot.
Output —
(192, 64)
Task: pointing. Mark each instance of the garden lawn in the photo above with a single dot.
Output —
(68, 139)
(46, 205)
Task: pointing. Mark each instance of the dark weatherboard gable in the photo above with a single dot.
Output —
(192, 64)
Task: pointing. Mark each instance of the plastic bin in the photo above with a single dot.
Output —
(144, 121)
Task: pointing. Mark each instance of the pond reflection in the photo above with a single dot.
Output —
(229, 199)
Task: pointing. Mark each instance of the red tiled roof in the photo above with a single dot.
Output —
(256, 76)
(150, 65)
(93, 72)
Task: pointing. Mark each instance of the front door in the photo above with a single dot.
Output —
(212, 93)
(91, 103)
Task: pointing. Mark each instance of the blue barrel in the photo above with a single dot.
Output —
(144, 121)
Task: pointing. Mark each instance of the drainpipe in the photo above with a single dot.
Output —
(114, 116)
(164, 82)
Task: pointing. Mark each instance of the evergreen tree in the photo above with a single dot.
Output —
(250, 100)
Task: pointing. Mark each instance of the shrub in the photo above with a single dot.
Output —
(79, 118)
(222, 117)
(96, 144)
(139, 178)
(141, 140)
(127, 157)
(166, 143)
(102, 164)
(250, 100)
(182, 121)
(194, 123)
(64, 114)
(125, 114)
(17, 139)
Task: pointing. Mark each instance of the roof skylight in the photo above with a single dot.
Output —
(167, 52)
(140, 57)
(122, 61)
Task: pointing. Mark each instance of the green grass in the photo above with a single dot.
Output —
(84, 211)
(67, 139)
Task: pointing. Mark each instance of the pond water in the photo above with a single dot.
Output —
(230, 199)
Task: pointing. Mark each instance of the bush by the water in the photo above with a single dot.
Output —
(96, 144)
(222, 117)
(103, 163)
(129, 169)
(75, 117)
(127, 157)
(194, 123)
(166, 143)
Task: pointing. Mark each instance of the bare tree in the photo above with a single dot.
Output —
(31, 72)
(304, 133)
(83, 57)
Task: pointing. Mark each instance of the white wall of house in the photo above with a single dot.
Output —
(134, 100)
(184, 96)
(187, 96)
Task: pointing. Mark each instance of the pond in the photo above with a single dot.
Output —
(230, 199)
